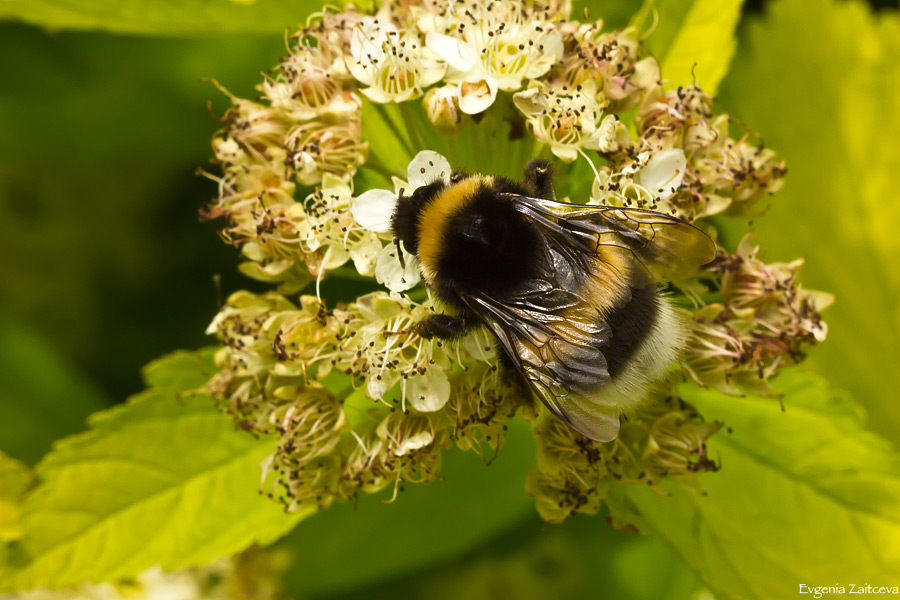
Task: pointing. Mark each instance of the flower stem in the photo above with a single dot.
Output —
(412, 130)
(382, 111)
(374, 163)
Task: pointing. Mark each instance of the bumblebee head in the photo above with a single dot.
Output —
(484, 244)
(405, 221)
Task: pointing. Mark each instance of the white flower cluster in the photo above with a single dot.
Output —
(306, 129)
(763, 323)
(358, 399)
(569, 119)
(647, 182)
(310, 376)
(721, 174)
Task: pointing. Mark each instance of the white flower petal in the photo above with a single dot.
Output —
(377, 384)
(427, 167)
(364, 73)
(254, 251)
(664, 173)
(432, 74)
(716, 204)
(607, 134)
(532, 101)
(365, 253)
(552, 51)
(357, 41)
(400, 186)
(277, 267)
(428, 392)
(457, 53)
(426, 20)
(566, 153)
(333, 185)
(477, 96)
(389, 272)
(646, 73)
(553, 45)
(376, 94)
(334, 257)
(228, 150)
(373, 210)
(508, 83)
(312, 240)
(600, 187)
(379, 307)
(479, 344)
(216, 322)
(414, 442)
(368, 38)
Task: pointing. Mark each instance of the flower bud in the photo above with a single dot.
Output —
(441, 108)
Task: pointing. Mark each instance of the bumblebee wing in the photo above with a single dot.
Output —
(553, 338)
(667, 247)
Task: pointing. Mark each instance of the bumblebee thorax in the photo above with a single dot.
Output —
(472, 238)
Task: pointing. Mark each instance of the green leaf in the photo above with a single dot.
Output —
(831, 112)
(582, 558)
(475, 535)
(624, 562)
(585, 558)
(41, 397)
(163, 17)
(354, 545)
(694, 41)
(15, 479)
(804, 496)
(165, 479)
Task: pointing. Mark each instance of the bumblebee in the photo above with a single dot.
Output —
(570, 292)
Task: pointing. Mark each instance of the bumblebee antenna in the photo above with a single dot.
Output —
(399, 252)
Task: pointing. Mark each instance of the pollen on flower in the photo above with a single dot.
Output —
(365, 109)
(491, 46)
(722, 174)
(391, 62)
(568, 118)
(314, 149)
(312, 81)
(480, 407)
(666, 440)
(608, 61)
(765, 322)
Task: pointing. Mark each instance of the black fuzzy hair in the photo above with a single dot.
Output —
(489, 246)
(405, 221)
(631, 323)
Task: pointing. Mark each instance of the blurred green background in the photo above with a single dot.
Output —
(104, 265)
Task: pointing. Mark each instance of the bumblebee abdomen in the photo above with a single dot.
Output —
(630, 324)
(648, 362)
(645, 333)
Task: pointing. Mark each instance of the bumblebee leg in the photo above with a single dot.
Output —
(444, 326)
(539, 177)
